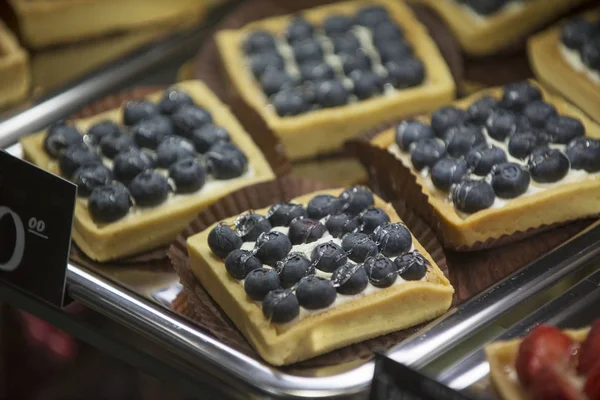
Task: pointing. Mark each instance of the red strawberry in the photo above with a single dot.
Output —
(589, 354)
(544, 346)
(550, 384)
(592, 384)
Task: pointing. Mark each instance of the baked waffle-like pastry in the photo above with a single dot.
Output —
(14, 68)
(145, 170)
(484, 27)
(49, 22)
(328, 269)
(501, 161)
(548, 364)
(567, 58)
(331, 72)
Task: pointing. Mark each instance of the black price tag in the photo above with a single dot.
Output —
(36, 217)
(394, 381)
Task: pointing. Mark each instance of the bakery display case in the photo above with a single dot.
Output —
(206, 255)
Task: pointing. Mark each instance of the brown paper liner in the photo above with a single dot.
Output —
(207, 314)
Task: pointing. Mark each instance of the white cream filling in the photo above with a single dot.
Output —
(510, 7)
(573, 58)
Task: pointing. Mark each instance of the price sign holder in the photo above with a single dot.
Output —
(36, 218)
(395, 381)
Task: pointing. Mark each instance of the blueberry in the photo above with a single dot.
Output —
(129, 164)
(149, 189)
(280, 306)
(59, 137)
(259, 41)
(188, 118)
(483, 159)
(386, 31)
(331, 94)
(584, 153)
(448, 171)
(563, 129)
(316, 70)
(172, 149)
(373, 218)
(517, 95)
(292, 268)
(315, 293)
(356, 61)
(260, 63)
(260, 282)
(150, 132)
(470, 196)
(359, 246)
(548, 165)
(350, 279)
(239, 263)
(372, 16)
(337, 25)
(463, 138)
(412, 266)
(116, 143)
(538, 112)
(397, 51)
(409, 132)
(222, 240)
(274, 80)
(575, 33)
(307, 50)
(272, 247)
(347, 43)
(187, 175)
(290, 102)
(135, 111)
(510, 180)
(501, 124)
(446, 117)
(102, 129)
(381, 271)
(392, 239)
(109, 203)
(305, 230)
(298, 29)
(207, 136)
(485, 7)
(74, 157)
(250, 225)
(523, 124)
(426, 152)
(283, 214)
(590, 54)
(172, 99)
(226, 161)
(480, 110)
(322, 205)
(366, 84)
(340, 224)
(522, 144)
(356, 199)
(91, 176)
(405, 73)
(327, 257)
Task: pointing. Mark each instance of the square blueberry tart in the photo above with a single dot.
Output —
(325, 270)
(483, 27)
(146, 169)
(504, 160)
(566, 57)
(329, 73)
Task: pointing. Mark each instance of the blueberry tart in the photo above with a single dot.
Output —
(14, 68)
(139, 185)
(289, 288)
(327, 74)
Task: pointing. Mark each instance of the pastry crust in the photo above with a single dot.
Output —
(323, 131)
(14, 68)
(562, 203)
(387, 310)
(49, 22)
(150, 228)
(480, 36)
(554, 71)
(502, 357)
